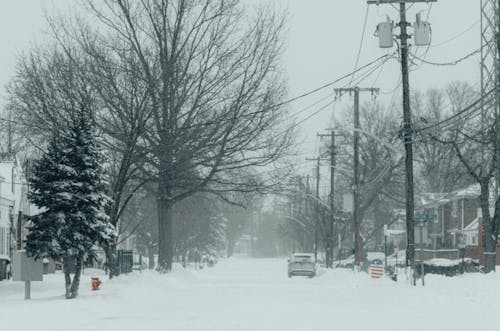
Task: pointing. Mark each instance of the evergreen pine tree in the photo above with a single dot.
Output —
(68, 185)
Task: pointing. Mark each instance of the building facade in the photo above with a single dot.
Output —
(13, 208)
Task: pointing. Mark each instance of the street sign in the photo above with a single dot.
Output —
(425, 217)
(26, 269)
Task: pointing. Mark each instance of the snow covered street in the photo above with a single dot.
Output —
(254, 294)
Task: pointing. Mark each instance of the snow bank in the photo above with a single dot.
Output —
(254, 294)
(445, 262)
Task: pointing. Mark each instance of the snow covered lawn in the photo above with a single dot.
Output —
(254, 294)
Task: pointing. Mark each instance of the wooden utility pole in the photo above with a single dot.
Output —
(407, 136)
(497, 101)
(356, 185)
(330, 235)
(331, 231)
(407, 127)
(316, 224)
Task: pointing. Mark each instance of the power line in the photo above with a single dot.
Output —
(385, 57)
(311, 115)
(452, 63)
(361, 42)
(360, 80)
(455, 37)
(429, 12)
(311, 105)
(332, 82)
(481, 101)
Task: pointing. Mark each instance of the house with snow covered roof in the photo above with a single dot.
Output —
(454, 212)
(457, 222)
(13, 205)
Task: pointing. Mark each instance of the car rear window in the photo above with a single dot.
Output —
(302, 258)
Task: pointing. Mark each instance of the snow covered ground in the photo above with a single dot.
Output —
(254, 294)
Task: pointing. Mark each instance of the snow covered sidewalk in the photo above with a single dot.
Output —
(254, 294)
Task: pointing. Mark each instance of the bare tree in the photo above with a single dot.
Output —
(474, 144)
(439, 168)
(41, 96)
(212, 81)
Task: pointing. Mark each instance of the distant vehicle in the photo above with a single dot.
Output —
(302, 264)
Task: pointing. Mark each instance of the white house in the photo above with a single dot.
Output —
(13, 203)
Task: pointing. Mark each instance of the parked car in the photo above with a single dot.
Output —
(302, 264)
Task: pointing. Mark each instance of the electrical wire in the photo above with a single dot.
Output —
(365, 76)
(452, 63)
(361, 42)
(429, 12)
(456, 36)
(392, 91)
(306, 108)
(322, 87)
(457, 116)
(378, 75)
(359, 80)
(369, 73)
(311, 115)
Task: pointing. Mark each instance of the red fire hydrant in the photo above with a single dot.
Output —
(95, 283)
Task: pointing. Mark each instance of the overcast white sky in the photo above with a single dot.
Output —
(323, 41)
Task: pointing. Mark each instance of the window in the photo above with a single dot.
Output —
(454, 208)
(474, 240)
(3, 241)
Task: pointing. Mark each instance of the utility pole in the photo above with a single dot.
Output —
(307, 202)
(331, 224)
(332, 200)
(316, 225)
(497, 102)
(356, 185)
(407, 128)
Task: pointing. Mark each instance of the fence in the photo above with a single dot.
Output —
(125, 261)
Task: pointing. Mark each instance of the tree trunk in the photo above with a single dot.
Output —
(112, 261)
(496, 217)
(230, 247)
(67, 277)
(72, 286)
(489, 239)
(166, 247)
(151, 257)
(76, 278)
